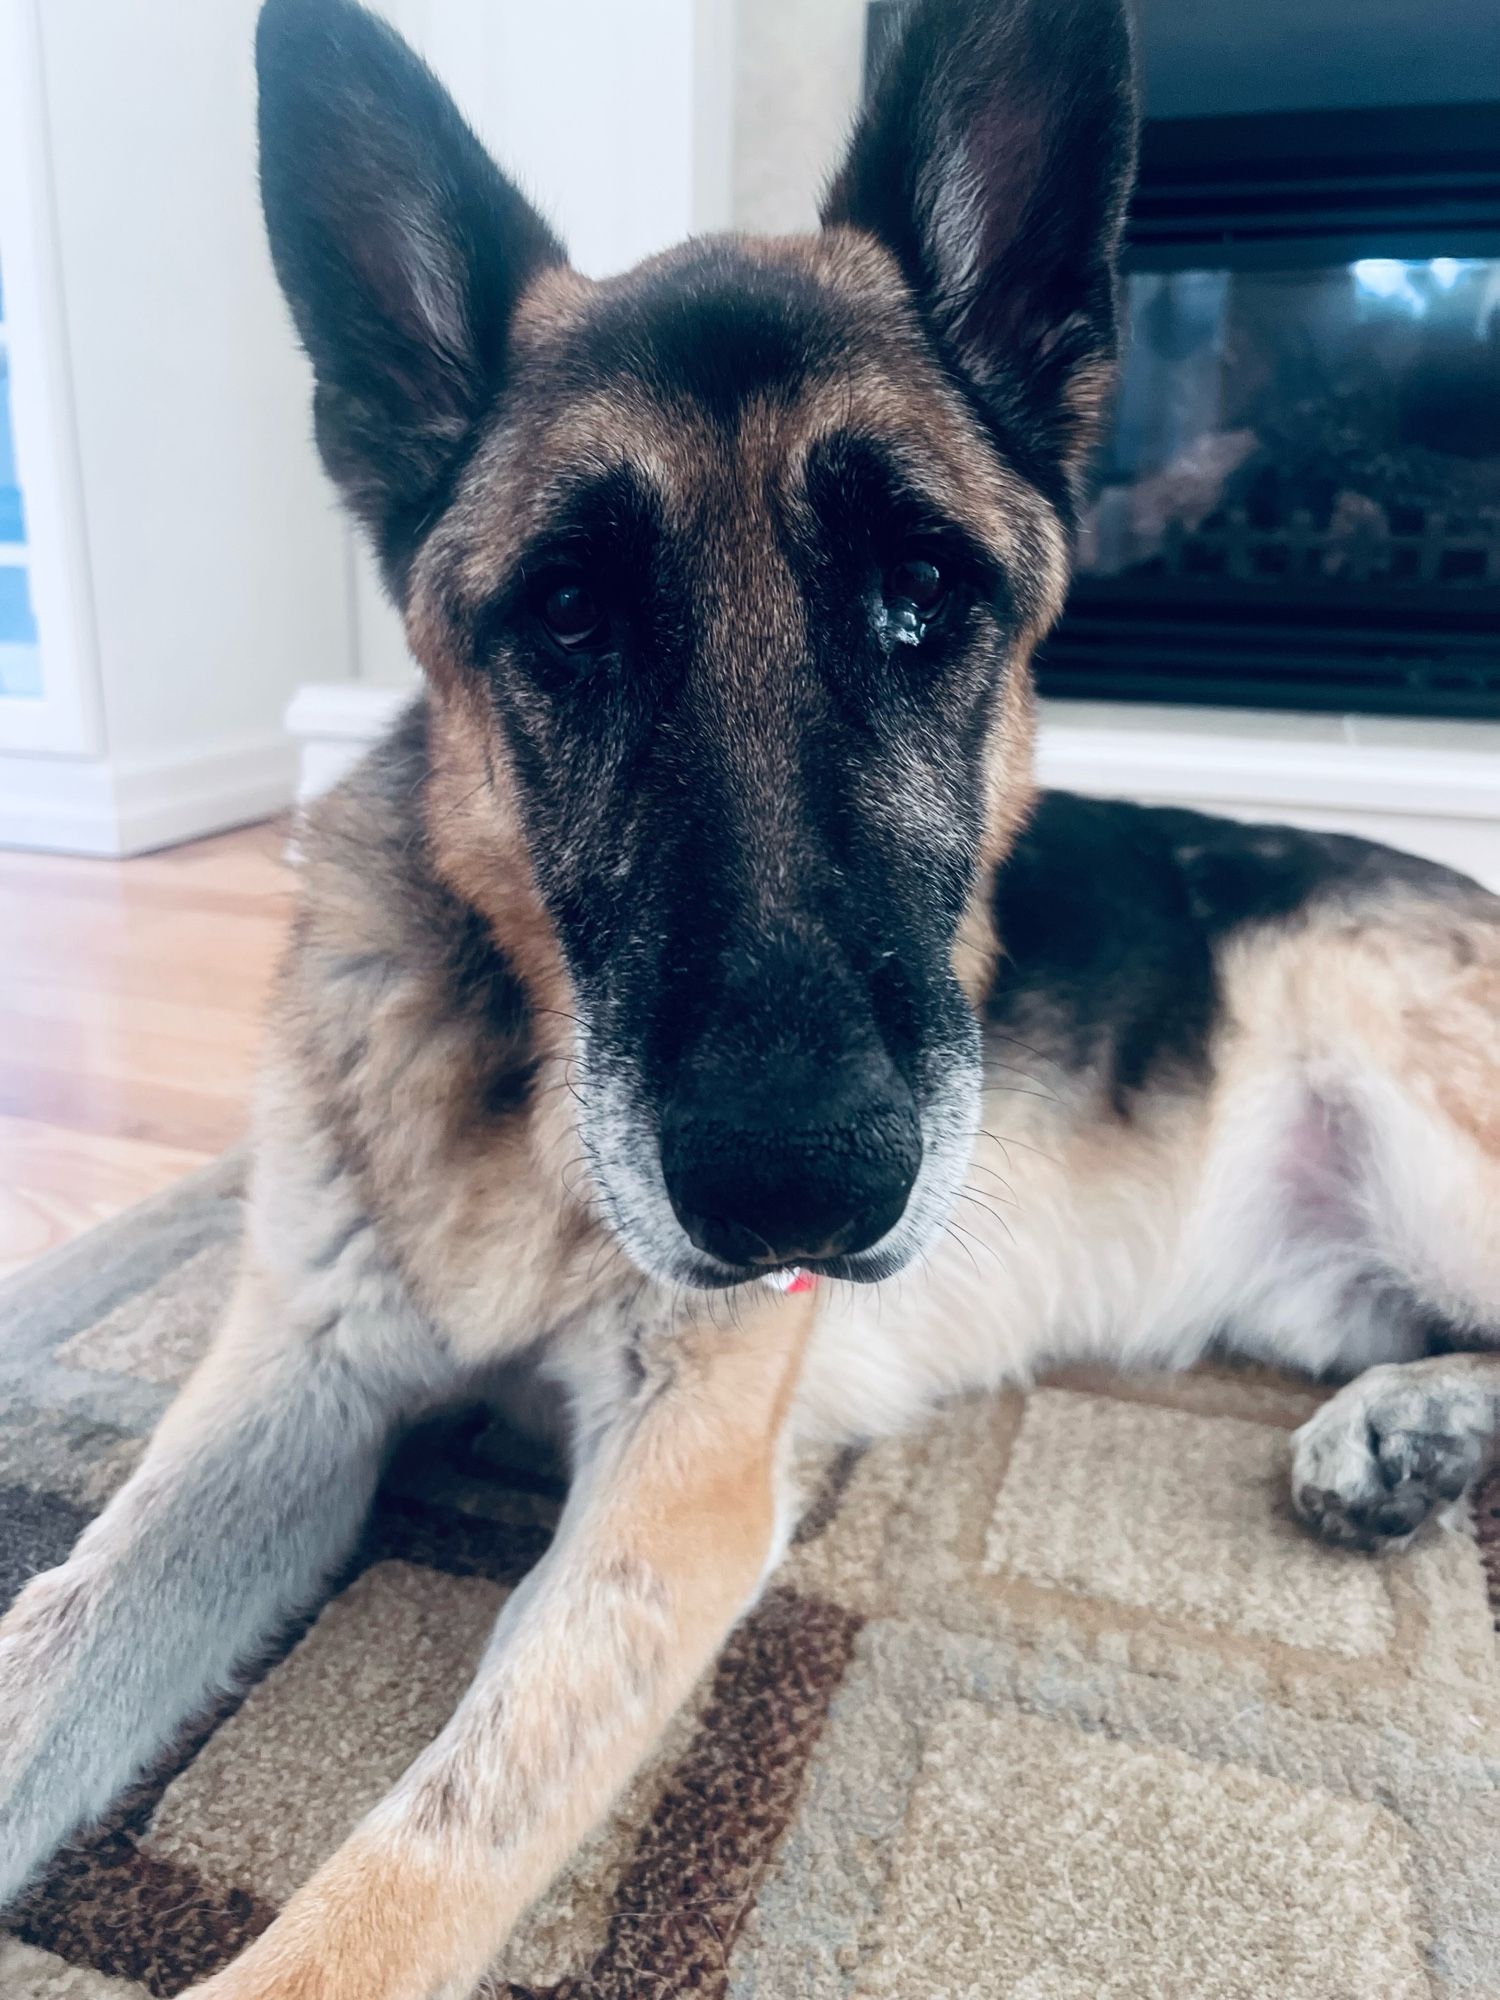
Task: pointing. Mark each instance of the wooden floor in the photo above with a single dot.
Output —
(131, 996)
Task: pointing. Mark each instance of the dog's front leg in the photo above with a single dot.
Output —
(252, 1490)
(667, 1533)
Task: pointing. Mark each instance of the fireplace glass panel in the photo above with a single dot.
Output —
(1299, 506)
(1327, 428)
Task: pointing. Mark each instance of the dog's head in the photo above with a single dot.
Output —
(725, 575)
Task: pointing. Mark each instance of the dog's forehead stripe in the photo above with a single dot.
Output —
(759, 294)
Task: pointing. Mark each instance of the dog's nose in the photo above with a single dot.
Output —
(778, 1175)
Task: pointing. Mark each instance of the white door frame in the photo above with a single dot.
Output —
(67, 717)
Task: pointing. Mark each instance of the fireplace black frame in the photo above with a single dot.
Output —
(1290, 190)
(1317, 187)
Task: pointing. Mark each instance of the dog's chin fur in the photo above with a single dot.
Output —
(619, 1140)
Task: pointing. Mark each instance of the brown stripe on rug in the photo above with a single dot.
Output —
(36, 1532)
(692, 1881)
(1487, 1533)
(818, 1516)
(109, 1905)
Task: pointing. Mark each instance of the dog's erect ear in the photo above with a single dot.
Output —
(401, 248)
(994, 161)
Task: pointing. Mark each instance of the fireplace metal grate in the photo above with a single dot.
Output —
(1197, 647)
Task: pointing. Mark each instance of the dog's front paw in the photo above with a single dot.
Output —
(1386, 1451)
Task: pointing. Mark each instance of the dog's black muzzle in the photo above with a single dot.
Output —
(780, 1170)
(789, 1136)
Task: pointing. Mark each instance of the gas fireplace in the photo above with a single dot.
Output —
(1299, 506)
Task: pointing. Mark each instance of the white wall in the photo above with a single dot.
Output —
(215, 553)
(798, 66)
(208, 547)
(607, 115)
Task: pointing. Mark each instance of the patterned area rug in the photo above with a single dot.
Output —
(1051, 1702)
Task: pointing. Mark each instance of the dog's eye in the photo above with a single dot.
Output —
(915, 593)
(917, 582)
(572, 615)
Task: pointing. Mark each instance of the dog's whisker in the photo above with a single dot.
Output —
(990, 1063)
(991, 1213)
(951, 1229)
(1020, 1090)
(953, 1223)
(559, 1014)
(1009, 1198)
(1025, 1145)
(1008, 1194)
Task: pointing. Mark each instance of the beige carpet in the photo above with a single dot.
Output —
(1052, 1702)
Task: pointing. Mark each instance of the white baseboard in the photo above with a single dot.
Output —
(1432, 788)
(78, 805)
(63, 803)
(333, 723)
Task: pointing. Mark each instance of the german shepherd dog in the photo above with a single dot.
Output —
(677, 940)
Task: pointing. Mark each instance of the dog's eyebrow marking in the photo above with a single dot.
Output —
(854, 481)
(610, 520)
(598, 512)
